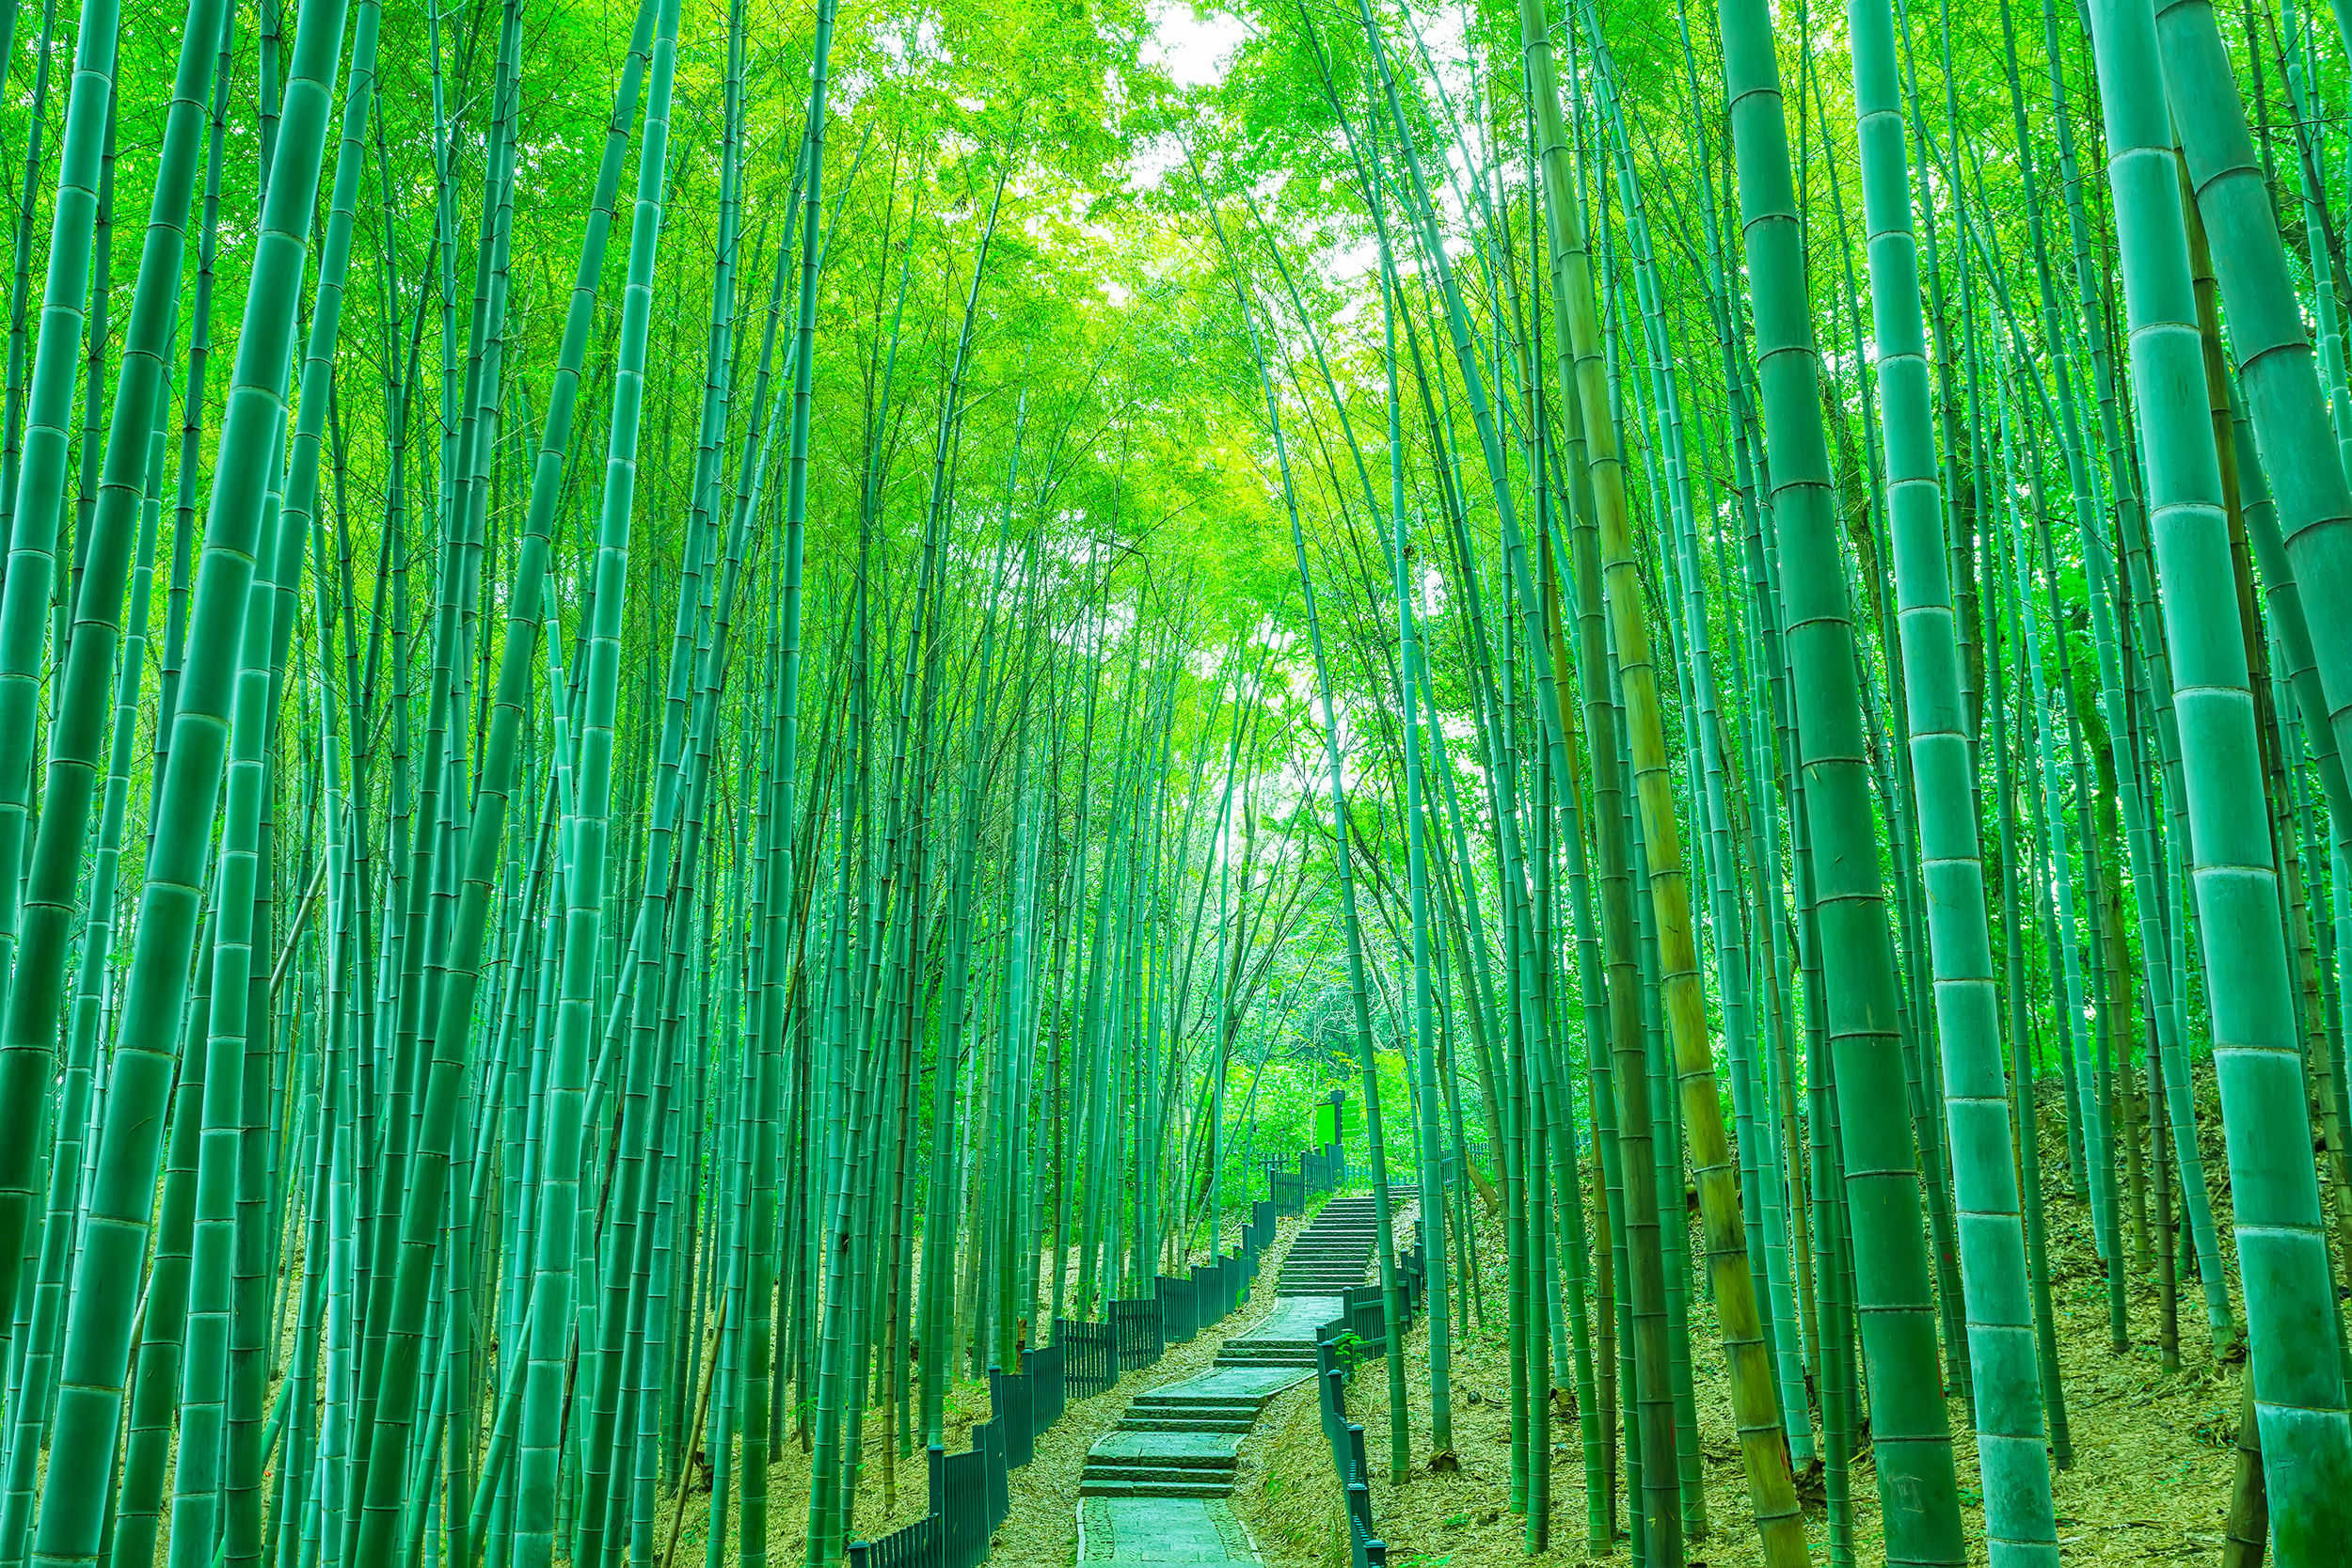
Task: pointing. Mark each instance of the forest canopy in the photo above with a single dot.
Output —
(727, 726)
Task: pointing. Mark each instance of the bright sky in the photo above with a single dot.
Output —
(1195, 46)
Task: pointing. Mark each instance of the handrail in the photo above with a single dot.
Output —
(1355, 1336)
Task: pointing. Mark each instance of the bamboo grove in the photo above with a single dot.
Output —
(707, 709)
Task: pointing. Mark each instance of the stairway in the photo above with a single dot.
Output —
(1331, 1254)
(1182, 1440)
(1154, 1491)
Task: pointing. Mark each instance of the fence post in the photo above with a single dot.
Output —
(995, 1470)
(1362, 1541)
(1329, 1397)
(1011, 1396)
(1060, 1375)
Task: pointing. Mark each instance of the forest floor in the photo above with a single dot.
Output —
(2152, 1452)
(2150, 1482)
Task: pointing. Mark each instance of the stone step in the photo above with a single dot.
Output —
(1154, 1486)
(1149, 1470)
(1149, 1451)
(1251, 1382)
(1207, 1408)
(1155, 1489)
(1186, 1423)
(1144, 1475)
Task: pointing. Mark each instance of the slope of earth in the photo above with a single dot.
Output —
(2152, 1449)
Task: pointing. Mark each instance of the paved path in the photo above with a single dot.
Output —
(1154, 1490)
(1294, 1318)
(1164, 1529)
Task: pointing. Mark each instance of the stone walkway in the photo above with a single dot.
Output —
(1163, 1531)
(1154, 1490)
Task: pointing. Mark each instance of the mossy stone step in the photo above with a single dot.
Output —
(1197, 1423)
(1156, 1471)
(1151, 1489)
(1162, 1448)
